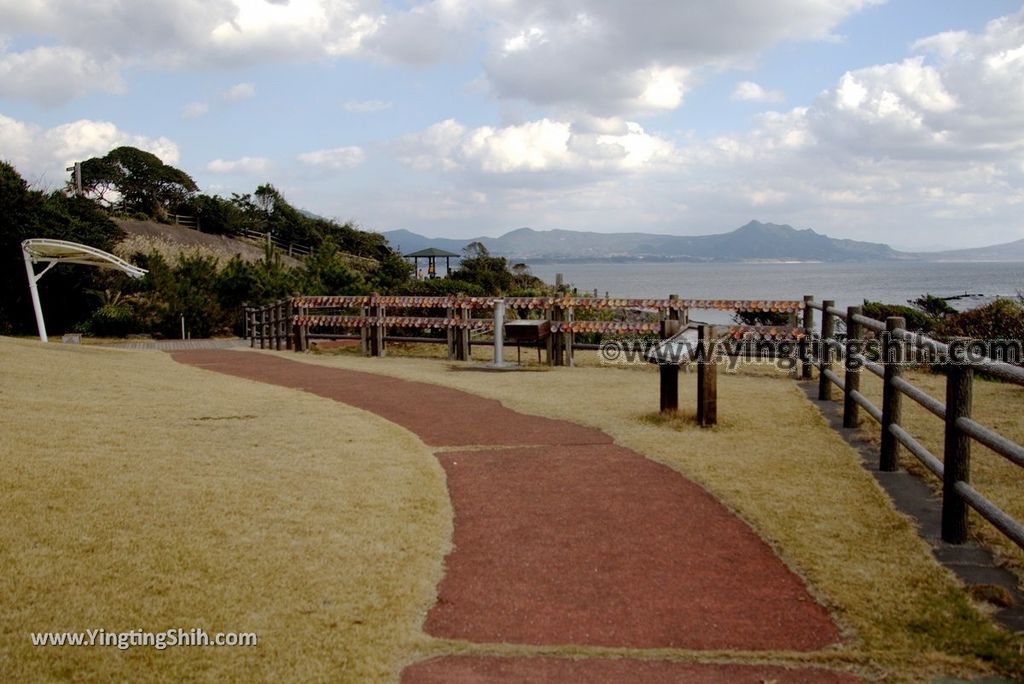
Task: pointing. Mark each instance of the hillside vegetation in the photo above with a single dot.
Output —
(199, 279)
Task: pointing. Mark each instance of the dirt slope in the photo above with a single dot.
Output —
(221, 245)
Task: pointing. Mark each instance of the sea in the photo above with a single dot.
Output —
(846, 283)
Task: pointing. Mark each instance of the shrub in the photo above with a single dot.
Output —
(917, 320)
(1003, 319)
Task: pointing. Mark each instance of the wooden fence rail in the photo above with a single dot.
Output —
(372, 316)
(290, 248)
(960, 430)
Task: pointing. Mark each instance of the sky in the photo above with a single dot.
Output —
(898, 122)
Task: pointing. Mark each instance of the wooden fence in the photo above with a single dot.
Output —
(290, 248)
(453, 320)
(183, 220)
(373, 319)
(893, 341)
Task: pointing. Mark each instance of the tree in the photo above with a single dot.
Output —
(477, 266)
(217, 215)
(326, 273)
(28, 213)
(936, 307)
(141, 181)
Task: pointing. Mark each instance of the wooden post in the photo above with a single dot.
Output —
(892, 357)
(263, 327)
(707, 377)
(570, 338)
(364, 331)
(463, 351)
(550, 341)
(378, 332)
(806, 352)
(828, 331)
(288, 329)
(451, 332)
(271, 324)
(250, 326)
(851, 415)
(671, 324)
(669, 387)
(957, 459)
(279, 324)
(556, 337)
(304, 330)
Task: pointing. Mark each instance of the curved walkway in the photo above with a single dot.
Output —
(563, 538)
(178, 345)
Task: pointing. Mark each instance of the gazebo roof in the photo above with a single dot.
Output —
(432, 252)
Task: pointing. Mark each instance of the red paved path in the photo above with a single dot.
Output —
(572, 539)
(471, 670)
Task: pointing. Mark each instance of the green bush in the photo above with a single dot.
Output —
(917, 320)
(1003, 319)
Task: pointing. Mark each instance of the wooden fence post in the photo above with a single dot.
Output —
(670, 324)
(288, 328)
(377, 345)
(303, 329)
(828, 332)
(806, 351)
(364, 331)
(957, 457)
(892, 357)
(450, 330)
(668, 392)
(570, 337)
(462, 348)
(279, 324)
(851, 415)
(556, 337)
(263, 327)
(707, 377)
(250, 325)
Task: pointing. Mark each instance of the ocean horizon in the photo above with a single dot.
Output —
(847, 283)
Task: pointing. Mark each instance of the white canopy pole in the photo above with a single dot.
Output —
(62, 251)
(32, 280)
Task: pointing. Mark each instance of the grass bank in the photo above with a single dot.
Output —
(140, 494)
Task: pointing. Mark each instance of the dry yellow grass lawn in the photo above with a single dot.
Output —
(776, 463)
(997, 405)
(142, 494)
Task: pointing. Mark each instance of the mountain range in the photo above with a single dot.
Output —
(754, 241)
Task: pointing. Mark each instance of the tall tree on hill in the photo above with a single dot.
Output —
(136, 180)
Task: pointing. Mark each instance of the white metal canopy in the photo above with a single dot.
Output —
(44, 250)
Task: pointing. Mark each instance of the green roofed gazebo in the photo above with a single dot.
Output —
(431, 254)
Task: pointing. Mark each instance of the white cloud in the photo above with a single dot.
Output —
(239, 92)
(194, 110)
(749, 91)
(244, 165)
(51, 76)
(334, 158)
(605, 55)
(366, 106)
(538, 146)
(611, 57)
(45, 153)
